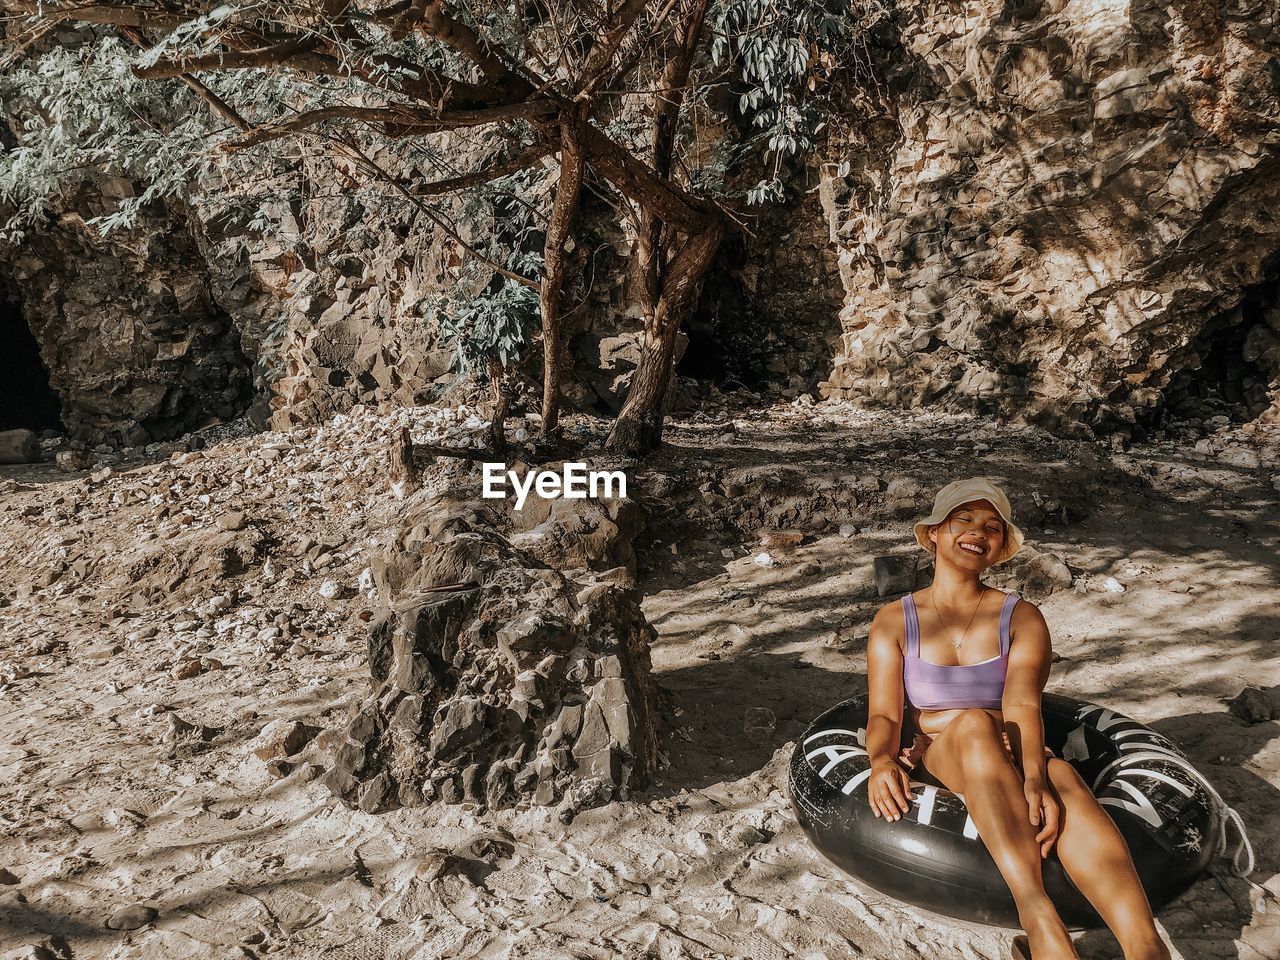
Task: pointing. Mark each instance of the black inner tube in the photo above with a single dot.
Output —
(933, 857)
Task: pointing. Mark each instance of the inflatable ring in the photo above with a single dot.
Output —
(933, 858)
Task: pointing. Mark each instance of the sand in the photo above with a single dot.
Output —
(206, 853)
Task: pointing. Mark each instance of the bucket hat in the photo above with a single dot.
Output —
(962, 491)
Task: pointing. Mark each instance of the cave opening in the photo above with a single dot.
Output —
(1238, 354)
(26, 399)
(727, 336)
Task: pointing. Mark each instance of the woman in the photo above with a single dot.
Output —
(973, 662)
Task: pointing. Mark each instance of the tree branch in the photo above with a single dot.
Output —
(286, 53)
(215, 102)
(596, 63)
(120, 15)
(430, 214)
(404, 118)
(519, 162)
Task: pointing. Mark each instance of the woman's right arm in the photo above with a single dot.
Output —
(889, 789)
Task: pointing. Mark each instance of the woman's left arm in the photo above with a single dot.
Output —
(1028, 670)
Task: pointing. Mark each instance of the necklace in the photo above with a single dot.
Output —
(955, 643)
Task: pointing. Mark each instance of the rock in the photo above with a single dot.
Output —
(234, 520)
(1241, 457)
(461, 722)
(19, 446)
(186, 669)
(282, 738)
(8, 877)
(759, 723)
(435, 864)
(1033, 573)
(894, 574)
(181, 731)
(1254, 705)
(131, 917)
(937, 257)
(330, 590)
(781, 540)
(69, 461)
(279, 768)
(534, 683)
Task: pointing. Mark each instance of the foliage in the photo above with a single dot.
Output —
(786, 54)
(497, 321)
(493, 324)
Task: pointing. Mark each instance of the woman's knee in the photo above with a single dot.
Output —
(1066, 779)
(978, 740)
(976, 723)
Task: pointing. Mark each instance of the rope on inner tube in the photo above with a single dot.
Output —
(1226, 815)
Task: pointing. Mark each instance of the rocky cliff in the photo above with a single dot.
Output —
(1074, 224)
(1067, 220)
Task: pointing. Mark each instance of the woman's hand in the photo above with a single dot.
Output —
(1044, 813)
(889, 789)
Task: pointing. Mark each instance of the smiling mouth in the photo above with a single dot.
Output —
(972, 548)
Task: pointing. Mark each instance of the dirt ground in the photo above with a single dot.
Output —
(155, 617)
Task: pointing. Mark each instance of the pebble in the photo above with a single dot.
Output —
(847, 530)
(764, 560)
(1112, 585)
(131, 918)
(331, 589)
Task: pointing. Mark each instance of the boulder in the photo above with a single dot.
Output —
(497, 680)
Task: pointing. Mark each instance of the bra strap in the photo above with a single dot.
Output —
(913, 626)
(1006, 615)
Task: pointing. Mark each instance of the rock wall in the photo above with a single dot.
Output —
(138, 349)
(1076, 212)
(1066, 219)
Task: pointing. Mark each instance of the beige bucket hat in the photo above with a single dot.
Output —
(962, 491)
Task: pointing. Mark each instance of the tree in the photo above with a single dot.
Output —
(607, 87)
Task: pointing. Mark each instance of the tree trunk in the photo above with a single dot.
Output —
(562, 213)
(638, 428)
(669, 289)
(501, 402)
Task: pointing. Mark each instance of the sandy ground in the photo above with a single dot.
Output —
(109, 822)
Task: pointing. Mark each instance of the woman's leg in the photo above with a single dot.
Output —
(1097, 860)
(970, 758)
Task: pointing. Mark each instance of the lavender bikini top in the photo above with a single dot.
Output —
(932, 686)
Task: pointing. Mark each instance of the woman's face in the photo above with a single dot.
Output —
(975, 524)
